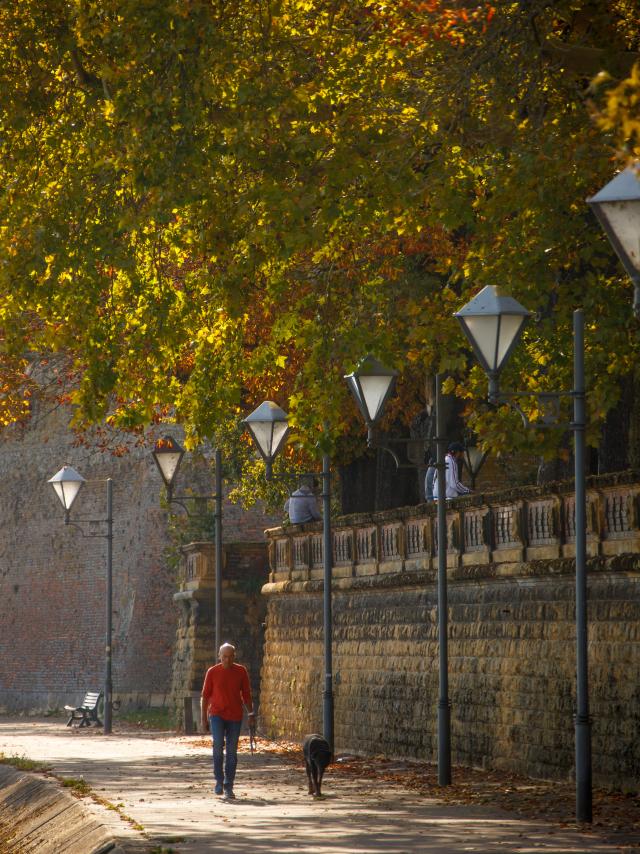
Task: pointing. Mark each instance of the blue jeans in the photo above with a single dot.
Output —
(224, 734)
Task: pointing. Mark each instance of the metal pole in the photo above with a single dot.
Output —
(636, 296)
(108, 687)
(218, 538)
(583, 723)
(444, 710)
(327, 696)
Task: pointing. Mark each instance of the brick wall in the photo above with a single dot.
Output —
(52, 578)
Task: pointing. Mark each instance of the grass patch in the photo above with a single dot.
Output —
(23, 764)
(78, 784)
(148, 718)
(118, 808)
(134, 824)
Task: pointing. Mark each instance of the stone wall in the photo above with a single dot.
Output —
(52, 578)
(512, 632)
(243, 609)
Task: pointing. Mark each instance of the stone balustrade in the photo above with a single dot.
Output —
(505, 529)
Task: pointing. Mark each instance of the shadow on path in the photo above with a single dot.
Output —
(165, 783)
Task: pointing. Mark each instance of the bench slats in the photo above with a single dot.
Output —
(86, 713)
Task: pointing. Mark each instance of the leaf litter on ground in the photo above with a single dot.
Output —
(616, 815)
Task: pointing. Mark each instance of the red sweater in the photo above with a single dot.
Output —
(225, 689)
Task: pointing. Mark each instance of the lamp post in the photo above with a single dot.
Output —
(168, 455)
(372, 384)
(617, 207)
(67, 484)
(269, 427)
(493, 324)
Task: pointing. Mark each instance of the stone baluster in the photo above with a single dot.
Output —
(500, 530)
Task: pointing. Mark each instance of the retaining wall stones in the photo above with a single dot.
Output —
(245, 569)
(38, 816)
(511, 654)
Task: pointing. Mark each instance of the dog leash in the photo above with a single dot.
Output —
(252, 730)
(252, 735)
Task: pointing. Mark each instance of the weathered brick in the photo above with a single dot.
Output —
(52, 579)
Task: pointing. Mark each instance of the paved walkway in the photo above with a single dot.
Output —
(163, 783)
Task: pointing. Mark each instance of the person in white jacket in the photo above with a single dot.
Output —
(453, 485)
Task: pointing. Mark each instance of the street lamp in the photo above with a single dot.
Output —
(493, 323)
(480, 332)
(372, 384)
(168, 455)
(474, 459)
(67, 484)
(617, 207)
(269, 427)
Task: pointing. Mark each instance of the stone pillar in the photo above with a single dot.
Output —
(244, 570)
(193, 651)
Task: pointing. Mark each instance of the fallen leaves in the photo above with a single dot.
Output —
(616, 815)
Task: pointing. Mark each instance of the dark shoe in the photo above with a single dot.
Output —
(218, 789)
(228, 795)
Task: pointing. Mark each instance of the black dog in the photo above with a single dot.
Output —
(317, 755)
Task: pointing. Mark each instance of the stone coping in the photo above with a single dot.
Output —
(622, 564)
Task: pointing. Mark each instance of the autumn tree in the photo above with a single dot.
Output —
(209, 203)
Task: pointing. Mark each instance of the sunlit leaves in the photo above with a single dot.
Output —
(207, 204)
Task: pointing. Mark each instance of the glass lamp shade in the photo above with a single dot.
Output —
(168, 455)
(474, 458)
(617, 207)
(269, 428)
(371, 384)
(493, 324)
(67, 483)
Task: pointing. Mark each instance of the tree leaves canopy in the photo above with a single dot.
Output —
(205, 204)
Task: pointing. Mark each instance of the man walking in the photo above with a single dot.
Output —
(225, 690)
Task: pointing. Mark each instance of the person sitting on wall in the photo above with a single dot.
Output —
(453, 485)
(429, 477)
(301, 506)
